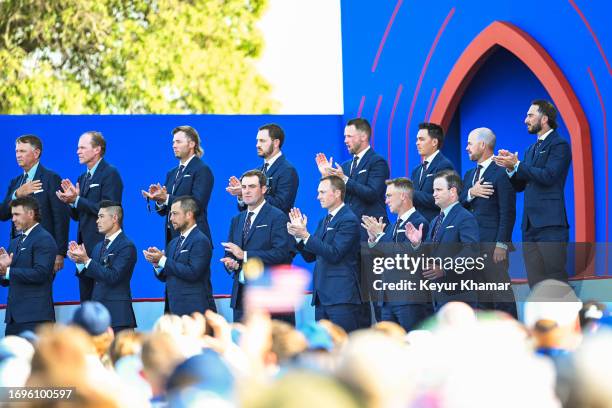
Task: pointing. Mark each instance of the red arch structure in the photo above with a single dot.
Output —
(532, 54)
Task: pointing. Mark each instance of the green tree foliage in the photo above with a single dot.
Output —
(131, 56)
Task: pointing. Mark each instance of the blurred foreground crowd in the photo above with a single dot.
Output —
(558, 356)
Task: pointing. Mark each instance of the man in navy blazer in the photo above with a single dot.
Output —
(100, 182)
(489, 196)
(111, 266)
(409, 311)
(541, 175)
(185, 266)
(192, 177)
(41, 183)
(259, 231)
(452, 240)
(430, 139)
(27, 269)
(281, 177)
(364, 176)
(335, 247)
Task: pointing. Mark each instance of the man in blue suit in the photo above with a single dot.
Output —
(260, 231)
(100, 182)
(408, 313)
(430, 139)
(335, 247)
(452, 240)
(186, 267)
(27, 269)
(364, 176)
(541, 175)
(41, 183)
(192, 177)
(489, 196)
(111, 266)
(281, 176)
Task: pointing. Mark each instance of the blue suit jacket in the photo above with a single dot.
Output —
(187, 274)
(283, 182)
(542, 175)
(105, 184)
(415, 218)
(365, 189)
(197, 181)
(112, 275)
(495, 215)
(423, 187)
(336, 251)
(457, 238)
(30, 279)
(55, 216)
(267, 240)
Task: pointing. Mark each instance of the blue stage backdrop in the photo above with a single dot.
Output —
(141, 148)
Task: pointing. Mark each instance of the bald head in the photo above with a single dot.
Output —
(481, 144)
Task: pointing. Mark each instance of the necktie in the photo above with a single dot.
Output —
(87, 183)
(247, 226)
(20, 238)
(477, 174)
(264, 169)
(179, 174)
(536, 147)
(437, 226)
(104, 248)
(179, 244)
(423, 170)
(353, 165)
(326, 222)
(24, 179)
(395, 228)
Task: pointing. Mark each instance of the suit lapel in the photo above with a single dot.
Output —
(258, 221)
(187, 170)
(362, 163)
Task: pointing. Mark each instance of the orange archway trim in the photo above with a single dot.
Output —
(532, 54)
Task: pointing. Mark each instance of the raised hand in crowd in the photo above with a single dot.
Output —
(373, 226)
(323, 164)
(153, 255)
(414, 235)
(77, 253)
(69, 192)
(506, 159)
(157, 193)
(234, 187)
(297, 224)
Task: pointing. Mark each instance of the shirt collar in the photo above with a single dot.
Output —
(485, 165)
(256, 211)
(450, 207)
(186, 233)
(94, 168)
(32, 172)
(26, 233)
(404, 217)
(112, 237)
(333, 213)
(430, 158)
(273, 159)
(360, 155)
(545, 135)
(186, 161)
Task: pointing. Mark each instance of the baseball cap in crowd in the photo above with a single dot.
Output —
(93, 317)
(317, 336)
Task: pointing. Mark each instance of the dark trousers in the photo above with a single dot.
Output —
(346, 315)
(545, 253)
(86, 286)
(14, 328)
(289, 318)
(502, 300)
(409, 316)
